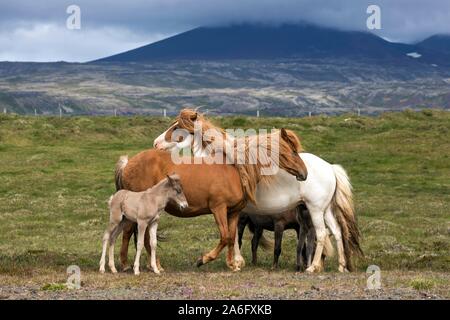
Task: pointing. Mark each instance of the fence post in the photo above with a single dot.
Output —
(359, 112)
(4, 110)
(309, 114)
(257, 113)
(35, 112)
(164, 113)
(60, 112)
(115, 112)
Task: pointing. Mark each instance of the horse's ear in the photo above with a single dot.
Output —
(169, 179)
(284, 135)
(290, 140)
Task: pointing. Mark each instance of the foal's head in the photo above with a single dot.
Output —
(175, 192)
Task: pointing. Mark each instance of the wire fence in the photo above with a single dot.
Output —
(165, 112)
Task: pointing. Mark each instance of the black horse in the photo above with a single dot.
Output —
(298, 219)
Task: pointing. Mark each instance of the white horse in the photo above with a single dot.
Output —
(326, 192)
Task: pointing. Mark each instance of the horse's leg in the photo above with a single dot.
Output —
(255, 242)
(220, 215)
(106, 238)
(148, 248)
(317, 217)
(112, 240)
(310, 245)
(232, 226)
(142, 226)
(301, 237)
(153, 243)
(336, 231)
(310, 234)
(238, 258)
(279, 229)
(241, 227)
(128, 231)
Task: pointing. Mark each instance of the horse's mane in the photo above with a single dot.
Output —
(254, 162)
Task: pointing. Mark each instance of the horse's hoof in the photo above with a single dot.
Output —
(239, 262)
(342, 269)
(102, 270)
(113, 270)
(200, 262)
(126, 268)
(311, 269)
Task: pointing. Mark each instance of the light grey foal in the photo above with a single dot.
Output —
(145, 209)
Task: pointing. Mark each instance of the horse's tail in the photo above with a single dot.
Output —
(265, 244)
(120, 165)
(343, 209)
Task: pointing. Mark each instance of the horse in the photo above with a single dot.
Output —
(210, 188)
(144, 208)
(297, 219)
(327, 193)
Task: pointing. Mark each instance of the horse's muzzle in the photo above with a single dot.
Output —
(183, 206)
(301, 177)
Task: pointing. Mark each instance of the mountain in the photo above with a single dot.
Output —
(278, 70)
(440, 42)
(248, 41)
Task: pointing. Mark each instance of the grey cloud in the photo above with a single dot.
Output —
(140, 21)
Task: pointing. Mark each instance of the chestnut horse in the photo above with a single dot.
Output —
(210, 189)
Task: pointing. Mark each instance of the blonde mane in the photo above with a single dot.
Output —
(254, 162)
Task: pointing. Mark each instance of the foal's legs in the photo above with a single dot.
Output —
(336, 231)
(301, 236)
(153, 243)
(279, 229)
(242, 223)
(106, 238)
(112, 240)
(317, 217)
(255, 242)
(220, 215)
(148, 248)
(142, 225)
(127, 233)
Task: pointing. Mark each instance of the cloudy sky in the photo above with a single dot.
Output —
(36, 30)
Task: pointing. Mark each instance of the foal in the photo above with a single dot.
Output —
(145, 209)
(298, 219)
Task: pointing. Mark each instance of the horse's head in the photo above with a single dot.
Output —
(290, 159)
(182, 134)
(175, 191)
(173, 138)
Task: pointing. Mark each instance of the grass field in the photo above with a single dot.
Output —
(56, 175)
